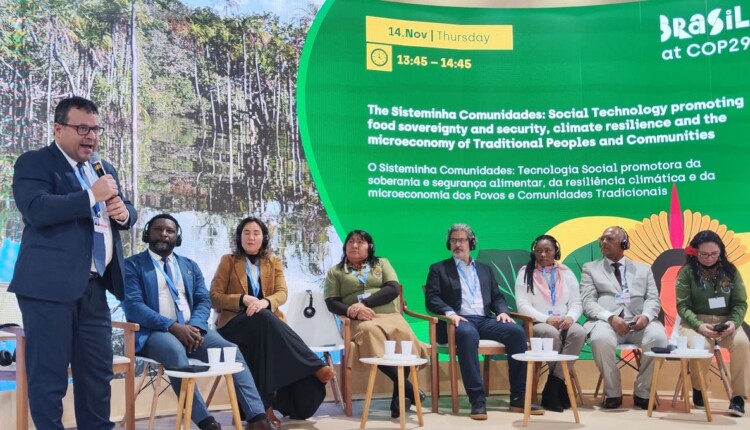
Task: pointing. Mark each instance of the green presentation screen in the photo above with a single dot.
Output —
(521, 122)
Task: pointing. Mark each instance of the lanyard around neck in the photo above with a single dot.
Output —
(551, 283)
(473, 287)
(85, 184)
(171, 283)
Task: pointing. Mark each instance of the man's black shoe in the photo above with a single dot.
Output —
(612, 403)
(640, 402)
(737, 406)
(410, 396)
(698, 399)
(478, 410)
(395, 412)
(516, 405)
(209, 423)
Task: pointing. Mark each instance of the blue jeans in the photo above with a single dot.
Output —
(167, 350)
(467, 343)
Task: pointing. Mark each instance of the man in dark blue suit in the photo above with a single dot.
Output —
(166, 295)
(466, 291)
(70, 253)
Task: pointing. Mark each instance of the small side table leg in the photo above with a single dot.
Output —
(401, 400)
(368, 396)
(181, 406)
(417, 400)
(684, 370)
(571, 394)
(233, 401)
(657, 366)
(188, 402)
(527, 401)
(704, 388)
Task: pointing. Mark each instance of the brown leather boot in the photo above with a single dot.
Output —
(272, 418)
(260, 425)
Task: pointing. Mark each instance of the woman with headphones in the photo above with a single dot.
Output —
(246, 291)
(365, 288)
(548, 291)
(712, 304)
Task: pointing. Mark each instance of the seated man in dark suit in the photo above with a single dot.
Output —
(165, 294)
(466, 291)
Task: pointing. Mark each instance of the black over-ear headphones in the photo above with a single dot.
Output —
(147, 228)
(558, 253)
(6, 358)
(625, 242)
(309, 311)
(472, 239)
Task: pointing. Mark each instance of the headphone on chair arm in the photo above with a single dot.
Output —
(309, 311)
(6, 357)
(147, 228)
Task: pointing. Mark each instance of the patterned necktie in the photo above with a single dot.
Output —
(168, 271)
(100, 253)
(616, 266)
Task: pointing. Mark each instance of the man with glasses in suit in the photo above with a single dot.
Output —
(466, 291)
(70, 255)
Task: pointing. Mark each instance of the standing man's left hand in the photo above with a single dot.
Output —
(117, 210)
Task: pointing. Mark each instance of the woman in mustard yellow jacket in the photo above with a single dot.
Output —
(246, 291)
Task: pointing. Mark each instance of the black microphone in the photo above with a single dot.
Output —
(96, 163)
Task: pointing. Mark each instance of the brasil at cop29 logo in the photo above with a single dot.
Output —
(728, 31)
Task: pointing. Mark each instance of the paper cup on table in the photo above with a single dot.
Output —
(230, 354)
(699, 343)
(536, 344)
(406, 347)
(390, 347)
(547, 344)
(682, 342)
(214, 356)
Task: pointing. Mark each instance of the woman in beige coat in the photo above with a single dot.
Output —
(246, 291)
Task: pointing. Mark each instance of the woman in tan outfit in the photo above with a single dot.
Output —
(365, 288)
(246, 291)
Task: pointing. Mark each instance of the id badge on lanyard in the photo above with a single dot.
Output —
(477, 302)
(623, 298)
(362, 277)
(717, 302)
(101, 224)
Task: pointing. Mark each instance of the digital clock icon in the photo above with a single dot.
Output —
(379, 57)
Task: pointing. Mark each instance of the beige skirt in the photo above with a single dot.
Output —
(369, 338)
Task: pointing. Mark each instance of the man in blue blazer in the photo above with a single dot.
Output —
(70, 254)
(166, 295)
(466, 291)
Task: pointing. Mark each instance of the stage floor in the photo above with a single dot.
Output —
(330, 417)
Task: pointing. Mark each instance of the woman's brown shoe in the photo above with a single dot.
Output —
(325, 374)
(271, 416)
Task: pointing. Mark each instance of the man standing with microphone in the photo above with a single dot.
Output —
(70, 253)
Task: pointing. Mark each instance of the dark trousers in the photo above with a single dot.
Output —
(79, 334)
(467, 343)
